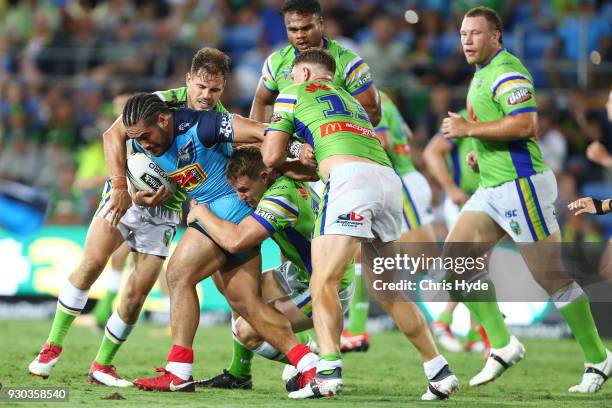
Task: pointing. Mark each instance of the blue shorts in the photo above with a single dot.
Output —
(229, 208)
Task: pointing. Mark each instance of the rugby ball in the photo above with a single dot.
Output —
(145, 174)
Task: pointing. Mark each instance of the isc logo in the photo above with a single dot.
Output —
(511, 213)
(351, 217)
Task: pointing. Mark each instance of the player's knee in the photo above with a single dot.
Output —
(324, 283)
(247, 335)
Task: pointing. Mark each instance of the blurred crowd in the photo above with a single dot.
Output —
(62, 61)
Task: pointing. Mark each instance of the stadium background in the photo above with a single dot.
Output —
(62, 61)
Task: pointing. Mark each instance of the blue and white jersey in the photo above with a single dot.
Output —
(197, 157)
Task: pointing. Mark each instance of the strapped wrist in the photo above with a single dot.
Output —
(294, 147)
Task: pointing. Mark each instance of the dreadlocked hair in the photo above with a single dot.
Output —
(143, 106)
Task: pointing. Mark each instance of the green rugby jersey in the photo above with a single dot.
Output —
(327, 117)
(398, 147)
(462, 173)
(352, 73)
(178, 98)
(286, 210)
(504, 87)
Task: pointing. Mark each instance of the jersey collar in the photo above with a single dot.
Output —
(492, 58)
(325, 46)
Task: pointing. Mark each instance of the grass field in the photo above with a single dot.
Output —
(389, 375)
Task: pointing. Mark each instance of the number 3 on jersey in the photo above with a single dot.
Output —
(337, 107)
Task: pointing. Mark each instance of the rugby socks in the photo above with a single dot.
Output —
(303, 337)
(434, 366)
(484, 307)
(115, 334)
(328, 363)
(360, 305)
(70, 303)
(242, 358)
(574, 306)
(104, 307)
(302, 358)
(180, 361)
(473, 336)
(445, 318)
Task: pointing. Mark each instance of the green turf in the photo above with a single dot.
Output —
(389, 375)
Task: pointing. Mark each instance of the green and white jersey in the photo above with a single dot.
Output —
(398, 147)
(352, 73)
(463, 175)
(287, 211)
(327, 117)
(178, 98)
(500, 88)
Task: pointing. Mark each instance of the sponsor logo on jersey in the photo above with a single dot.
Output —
(511, 213)
(226, 125)
(311, 88)
(266, 215)
(519, 96)
(151, 181)
(515, 227)
(364, 79)
(189, 177)
(350, 220)
(186, 154)
(335, 127)
(184, 126)
(276, 118)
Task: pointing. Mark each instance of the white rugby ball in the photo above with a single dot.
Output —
(145, 174)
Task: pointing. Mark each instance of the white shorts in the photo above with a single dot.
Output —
(524, 208)
(361, 200)
(147, 230)
(286, 275)
(416, 195)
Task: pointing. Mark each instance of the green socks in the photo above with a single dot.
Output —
(116, 333)
(577, 314)
(104, 308)
(70, 303)
(360, 305)
(445, 318)
(241, 361)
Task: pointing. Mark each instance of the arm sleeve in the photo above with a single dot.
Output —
(215, 127)
(284, 112)
(514, 92)
(357, 75)
(267, 76)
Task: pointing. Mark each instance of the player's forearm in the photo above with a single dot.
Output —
(296, 170)
(224, 233)
(437, 167)
(260, 111)
(508, 128)
(247, 130)
(114, 149)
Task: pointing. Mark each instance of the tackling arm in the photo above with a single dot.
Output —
(370, 100)
(232, 237)
(261, 109)
(274, 148)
